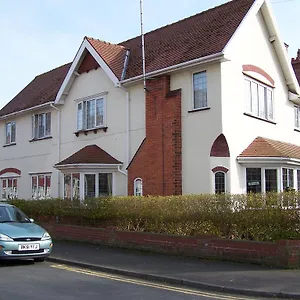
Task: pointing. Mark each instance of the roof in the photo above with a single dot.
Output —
(91, 154)
(263, 147)
(203, 34)
(42, 89)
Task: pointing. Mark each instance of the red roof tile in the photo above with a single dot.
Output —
(263, 147)
(113, 55)
(40, 90)
(91, 154)
(198, 36)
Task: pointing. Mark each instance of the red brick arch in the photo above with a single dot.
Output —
(220, 147)
(220, 169)
(260, 71)
(10, 170)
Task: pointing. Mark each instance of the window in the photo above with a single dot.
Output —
(41, 125)
(271, 180)
(253, 180)
(259, 99)
(9, 188)
(200, 90)
(89, 186)
(41, 186)
(105, 184)
(219, 182)
(287, 178)
(10, 133)
(138, 187)
(297, 116)
(72, 186)
(90, 114)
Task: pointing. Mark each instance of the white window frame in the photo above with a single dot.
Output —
(45, 185)
(193, 91)
(14, 194)
(297, 117)
(83, 104)
(265, 103)
(10, 125)
(35, 129)
(135, 186)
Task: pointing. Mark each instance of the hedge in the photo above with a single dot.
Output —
(257, 217)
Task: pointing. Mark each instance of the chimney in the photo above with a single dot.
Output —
(296, 65)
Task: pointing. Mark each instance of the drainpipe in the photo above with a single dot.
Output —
(58, 146)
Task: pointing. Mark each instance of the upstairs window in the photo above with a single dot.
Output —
(259, 99)
(41, 125)
(10, 133)
(90, 114)
(297, 116)
(200, 90)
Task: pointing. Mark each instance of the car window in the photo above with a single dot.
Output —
(4, 216)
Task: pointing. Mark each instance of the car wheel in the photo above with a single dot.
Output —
(39, 259)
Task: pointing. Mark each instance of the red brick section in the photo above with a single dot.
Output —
(263, 147)
(220, 147)
(42, 89)
(284, 253)
(260, 71)
(296, 65)
(158, 161)
(91, 154)
(10, 170)
(88, 63)
(220, 169)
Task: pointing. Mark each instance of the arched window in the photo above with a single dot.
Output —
(138, 187)
(220, 184)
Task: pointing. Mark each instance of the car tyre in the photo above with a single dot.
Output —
(39, 259)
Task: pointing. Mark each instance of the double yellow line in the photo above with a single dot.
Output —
(147, 284)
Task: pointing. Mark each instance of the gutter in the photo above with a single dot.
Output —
(187, 64)
(58, 144)
(26, 110)
(268, 160)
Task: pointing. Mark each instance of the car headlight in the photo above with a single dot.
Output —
(46, 236)
(5, 238)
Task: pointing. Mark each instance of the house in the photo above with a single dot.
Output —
(219, 113)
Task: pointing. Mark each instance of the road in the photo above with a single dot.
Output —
(28, 281)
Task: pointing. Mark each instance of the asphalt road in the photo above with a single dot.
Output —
(28, 281)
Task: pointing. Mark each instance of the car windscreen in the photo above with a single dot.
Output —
(12, 214)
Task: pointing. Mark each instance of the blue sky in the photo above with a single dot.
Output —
(39, 35)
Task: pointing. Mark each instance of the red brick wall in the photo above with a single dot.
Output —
(88, 63)
(220, 147)
(158, 161)
(10, 170)
(284, 253)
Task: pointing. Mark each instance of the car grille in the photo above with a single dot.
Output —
(27, 239)
(27, 251)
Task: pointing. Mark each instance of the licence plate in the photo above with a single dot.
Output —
(26, 247)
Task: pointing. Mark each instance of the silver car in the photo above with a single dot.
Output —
(20, 238)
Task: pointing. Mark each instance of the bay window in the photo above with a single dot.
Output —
(10, 133)
(72, 186)
(91, 113)
(287, 178)
(41, 125)
(41, 186)
(259, 99)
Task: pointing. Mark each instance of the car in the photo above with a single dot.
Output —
(20, 237)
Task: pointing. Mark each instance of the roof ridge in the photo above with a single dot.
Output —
(181, 20)
(52, 70)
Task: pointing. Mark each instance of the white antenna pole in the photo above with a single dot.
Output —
(143, 45)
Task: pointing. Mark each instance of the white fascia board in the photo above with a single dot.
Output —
(188, 64)
(294, 98)
(268, 160)
(72, 73)
(88, 166)
(27, 110)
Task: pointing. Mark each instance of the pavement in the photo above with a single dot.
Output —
(221, 276)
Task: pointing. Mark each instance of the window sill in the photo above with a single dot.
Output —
(198, 109)
(40, 139)
(261, 119)
(11, 144)
(86, 131)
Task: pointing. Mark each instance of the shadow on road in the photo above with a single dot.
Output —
(15, 263)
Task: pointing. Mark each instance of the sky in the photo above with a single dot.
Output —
(39, 35)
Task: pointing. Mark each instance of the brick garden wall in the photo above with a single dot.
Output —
(284, 253)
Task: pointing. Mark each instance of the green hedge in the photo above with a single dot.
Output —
(253, 217)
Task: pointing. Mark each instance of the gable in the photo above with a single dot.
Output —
(88, 63)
